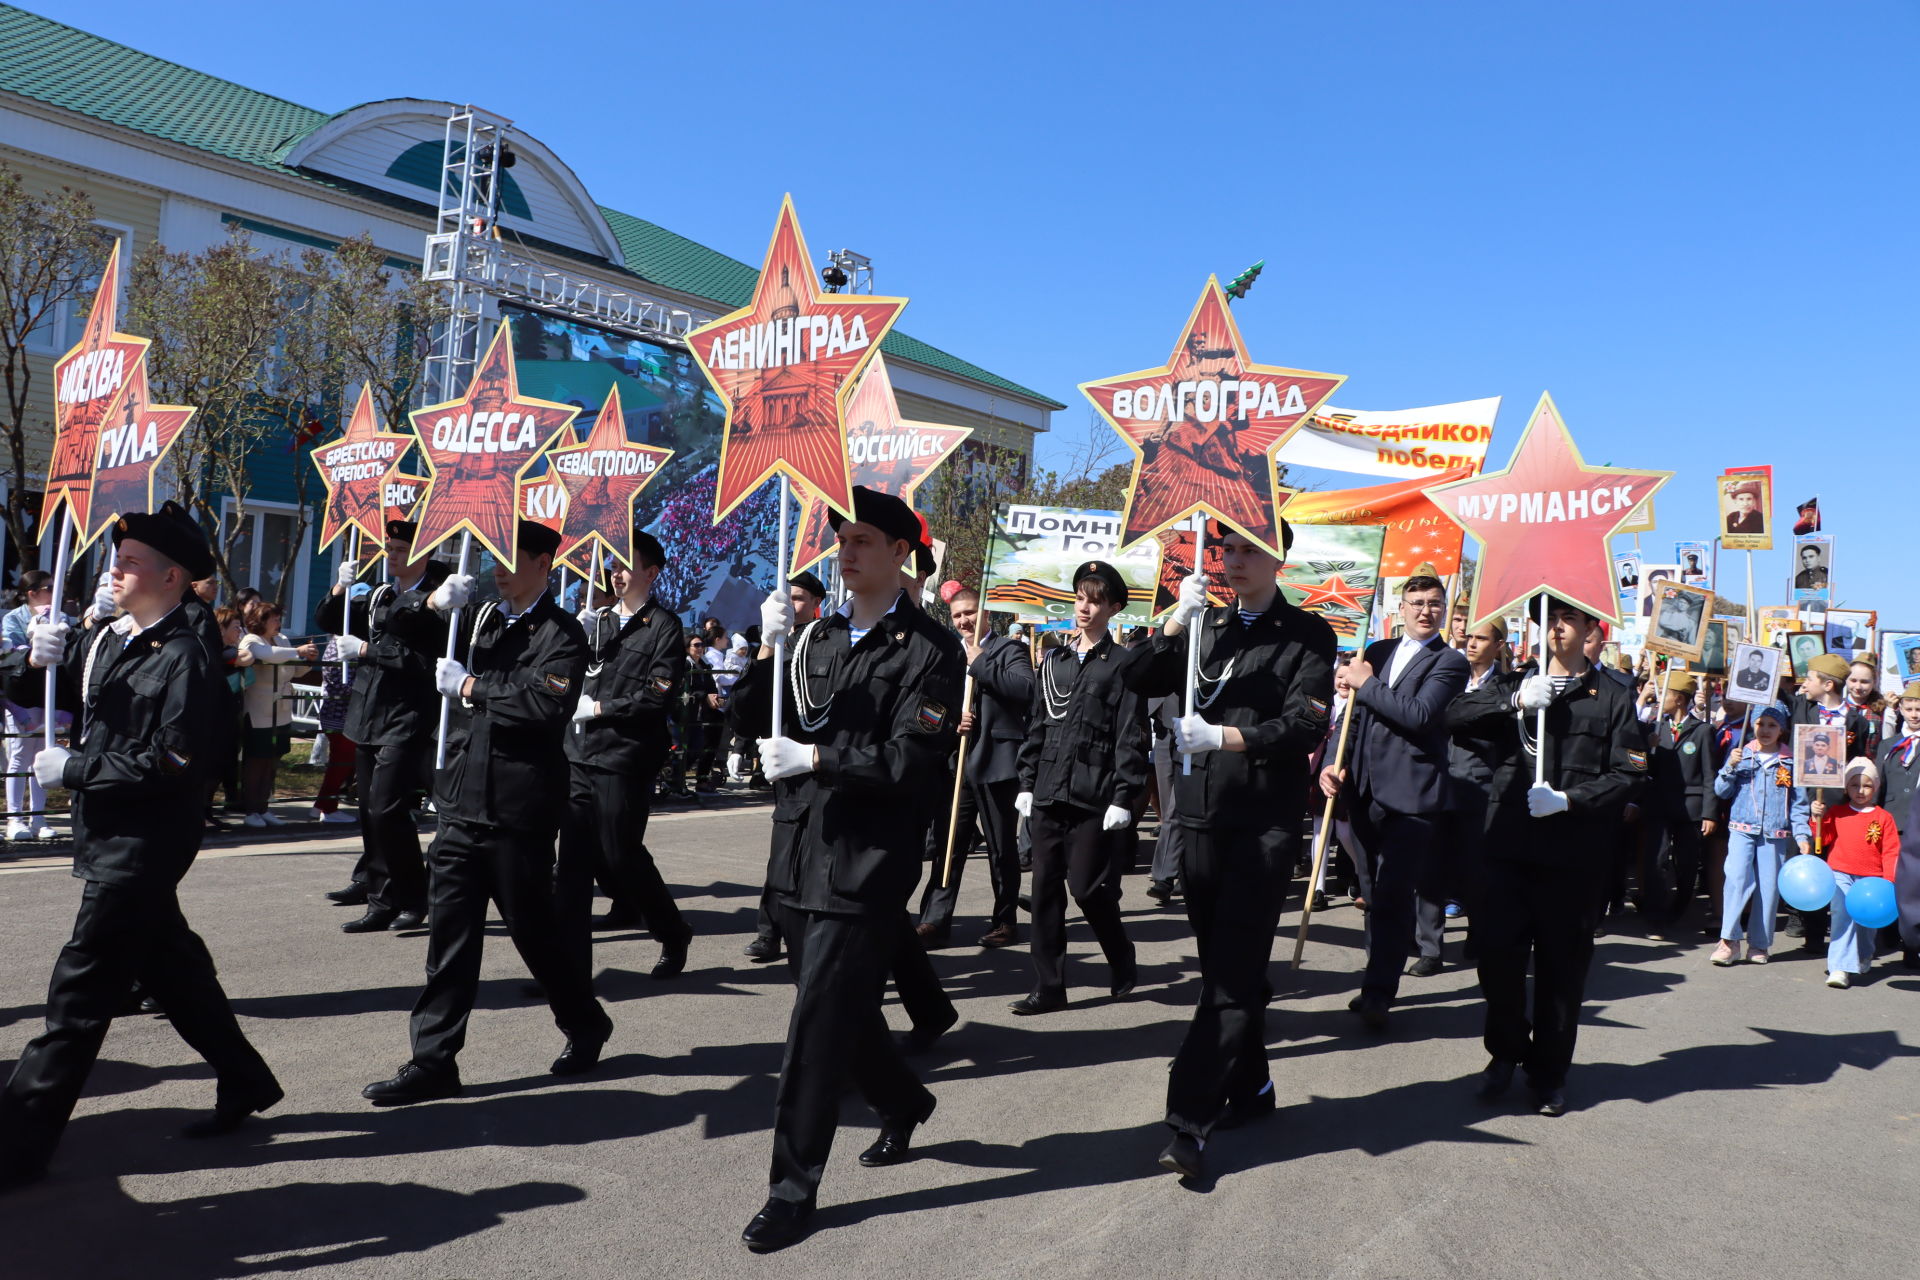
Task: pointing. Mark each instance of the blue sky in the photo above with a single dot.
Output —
(1693, 223)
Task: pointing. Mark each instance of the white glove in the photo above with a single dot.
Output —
(586, 616)
(1543, 801)
(1193, 599)
(46, 642)
(103, 605)
(584, 710)
(776, 617)
(1023, 804)
(1192, 735)
(349, 573)
(1535, 692)
(50, 766)
(784, 758)
(1116, 818)
(448, 675)
(349, 647)
(452, 594)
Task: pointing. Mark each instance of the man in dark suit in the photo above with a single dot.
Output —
(1396, 782)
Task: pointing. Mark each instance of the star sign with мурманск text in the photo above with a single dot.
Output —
(1544, 522)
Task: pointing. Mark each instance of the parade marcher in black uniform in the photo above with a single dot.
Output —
(1678, 800)
(1083, 766)
(1548, 847)
(804, 595)
(143, 685)
(1260, 709)
(1470, 764)
(616, 746)
(870, 713)
(1395, 783)
(1003, 682)
(393, 640)
(499, 799)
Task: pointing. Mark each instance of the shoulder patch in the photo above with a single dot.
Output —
(559, 684)
(172, 761)
(661, 684)
(932, 717)
(1637, 760)
(1319, 706)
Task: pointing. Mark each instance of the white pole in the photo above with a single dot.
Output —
(453, 639)
(1193, 635)
(346, 603)
(1540, 717)
(54, 610)
(780, 643)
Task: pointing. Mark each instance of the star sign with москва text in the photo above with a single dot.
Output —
(355, 469)
(602, 475)
(785, 366)
(1544, 522)
(85, 382)
(1205, 426)
(134, 437)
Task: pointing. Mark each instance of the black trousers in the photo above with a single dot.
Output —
(764, 925)
(604, 834)
(1546, 914)
(937, 902)
(1675, 859)
(1234, 883)
(1401, 850)
(388, 778)
(121, 935)
(1071, 854)
(472, 865)
(1464, 838)
(922, 997)
(836, 1035)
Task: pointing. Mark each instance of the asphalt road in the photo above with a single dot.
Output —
(1726, 1123)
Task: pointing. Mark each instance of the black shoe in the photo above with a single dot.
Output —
(351, 896)
(377, 920)
(1258, 1107)
(1552, 1102)
(1125, 978)
(1794, 928)
(1026, 862)
(1425, 967)
(1161, 891)
(582, 1054)
(619, 916)
(672, 960)
(1001, 935)
(1372, 1011)
(778, 1224)
(413, 1083)
(230, 1113)
(923, 1035)
(1183, 1157)
(763, 950)
(1320, 901)
(895, 1142)
(1028, 1005)
(408, 920)
(150, 1005)
(1494, 1081)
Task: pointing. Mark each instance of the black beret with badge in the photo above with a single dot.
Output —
(807, 582)
(536, 539)
(1108, 577)
(891, 516)
(405, 530)
(171, 532)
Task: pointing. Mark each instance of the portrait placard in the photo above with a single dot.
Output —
(1681, 614)
(1818, 752)
(1803, 647)
(1756, 674)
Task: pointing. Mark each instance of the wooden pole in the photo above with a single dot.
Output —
(960, 768)
(1320, 837)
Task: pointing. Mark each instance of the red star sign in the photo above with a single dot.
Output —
(478, 448)
(601, 476)
(889, 454)
(85, 381)
(355, 468)
(134, 437)
(785, 365)
(1543, 524)
(1335, 591)
(1205, 427)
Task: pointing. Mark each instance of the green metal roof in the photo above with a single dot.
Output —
(62, 66)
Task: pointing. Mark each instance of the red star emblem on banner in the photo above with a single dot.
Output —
(1334, 591)
(601, 477)
(355, 469)
(1544, 523)
(134, 437)
(478, 448)
(889, 454)
(85, 381)
(785, 365)
(1205, 426)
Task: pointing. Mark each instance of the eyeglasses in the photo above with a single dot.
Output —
(1419, 606)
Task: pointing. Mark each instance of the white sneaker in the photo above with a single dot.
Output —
(338, 818)
(19, 831)
(46, 833)
(1839, 980)
(274, 820)
(254, 820)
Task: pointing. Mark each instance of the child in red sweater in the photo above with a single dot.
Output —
(1860, 840)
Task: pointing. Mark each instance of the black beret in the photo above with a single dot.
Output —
(405, 530)
(1217, 532)
(171, 532)
(1107, 576)
(647, 548)
(923, 561)
(808, 583)
(891, 516)
(536, 539)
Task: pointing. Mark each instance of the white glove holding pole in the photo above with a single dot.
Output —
(1193, 599)
(1535, 692)
(46, 642)
(50, 767)
(1192, 735)
(103, 605)
(1116, 818)
(449, 674)
(776, 617)
(349, 647)
(1543, 801)
(784, 758)
(1023, 804)
(452, 594)
(348, 575)
(586, 709)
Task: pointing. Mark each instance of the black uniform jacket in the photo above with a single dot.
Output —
(1897, 785)
(1003, 677)
(884, 715)
(1272, 680)
(634, 671)
(392, 702)
(1680, 772)
(1596, 752)
(146, 729)
(1087, 736)
(1471, 760)
(506, 762)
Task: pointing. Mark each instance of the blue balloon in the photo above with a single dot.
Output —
(1806, 883)
(1870, 902)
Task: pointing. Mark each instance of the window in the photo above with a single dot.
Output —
(259, 557)
(60, 331)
